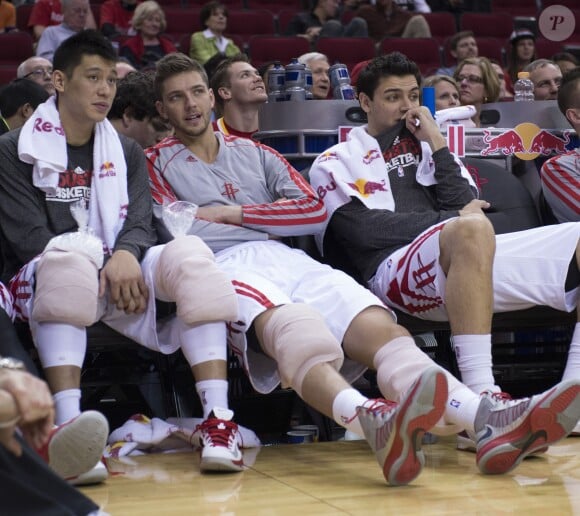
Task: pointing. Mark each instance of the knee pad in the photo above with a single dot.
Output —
(67, 289)
(297, 337)
(187, 274)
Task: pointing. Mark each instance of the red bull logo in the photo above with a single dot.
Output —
(366, 188)
(527, 141)
(370, 156)
(107, 169)
(327, 156)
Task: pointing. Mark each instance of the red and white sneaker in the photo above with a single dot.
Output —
(510, 430)
(395, 430)
(220, 442)
(74, 449)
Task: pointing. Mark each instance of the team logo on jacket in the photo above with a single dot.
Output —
(107, 169)
(191, 159)
(370, 156)
(366, 188)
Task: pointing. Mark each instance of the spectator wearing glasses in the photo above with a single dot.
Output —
(18, 100)
(547, 77)
(478, 84)
(38, 70)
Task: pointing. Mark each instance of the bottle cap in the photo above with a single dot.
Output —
(523, 75)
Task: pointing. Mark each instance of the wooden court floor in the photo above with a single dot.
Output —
(340, 478)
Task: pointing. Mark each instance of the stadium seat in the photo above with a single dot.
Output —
(442, 25)
(276, 48)
(15, 47)
(492, 48)
(546, 48)
(348, 51)
(230, 4)
(495, 25)
(22, 15)
(424, 51)
(7, 73)
(514, 7)
(180, 20)
(284, 18)
(274, 6)
(246, 24)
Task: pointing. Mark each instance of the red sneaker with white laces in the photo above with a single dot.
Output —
(220, 442)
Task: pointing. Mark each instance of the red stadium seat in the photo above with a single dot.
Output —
(442, 25)
(424, 51)
(515, 7)
(230, 4)
(276, 48)
(275, 6)
(284, 18)
(348, 51)
(7, 73)
(246, 24)
(546, 48)
(494, 25)
(15, 47)
(22, 15)
(492, 48)
(180, 20)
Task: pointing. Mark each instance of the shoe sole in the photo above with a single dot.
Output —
(417, 413)
(220, 463)
(78, 446)
(550, 420)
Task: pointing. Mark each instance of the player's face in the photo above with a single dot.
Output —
(186, 102)
(246, 85)
(88, 94)
(446, 95)
(393, 97)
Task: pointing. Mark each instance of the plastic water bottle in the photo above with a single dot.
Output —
(340, 82)
(276, 83)
(295, 78)
(524, 87)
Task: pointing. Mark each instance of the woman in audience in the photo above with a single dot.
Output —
(478, 84)
(211, 41)
(148, 46)
(446, 91)
(522, 52)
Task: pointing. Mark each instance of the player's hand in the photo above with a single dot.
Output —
(221, 214)
(26, 402)
(475, 206)
(122, 274)
(422, 125)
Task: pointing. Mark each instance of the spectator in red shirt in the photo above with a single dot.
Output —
(115, 17)
(49, 12)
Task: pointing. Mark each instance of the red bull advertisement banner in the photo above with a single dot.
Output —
(526, 141)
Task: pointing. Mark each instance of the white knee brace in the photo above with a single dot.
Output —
(187, 274)
(67, 289)
(297, 337)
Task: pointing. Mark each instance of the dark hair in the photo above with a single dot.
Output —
(565, 56)
(385, 66)
(208, 9)
(221, 76)
(568, 92)
(212, 63)
(85, 43)
(174, 64)
(454, 41)
(19, 92)
(135, 94)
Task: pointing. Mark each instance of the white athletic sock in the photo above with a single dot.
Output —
(212, 393)
(474, 360)
(67, 405)
(572, 370)
(60, 344)
(344, 410)
(461, 407)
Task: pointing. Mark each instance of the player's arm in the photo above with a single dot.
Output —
(23, 218)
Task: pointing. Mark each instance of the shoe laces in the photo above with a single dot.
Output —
(218, 432)
(499, 397)
(380, 406)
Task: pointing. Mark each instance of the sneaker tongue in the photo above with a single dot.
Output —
(223, 413)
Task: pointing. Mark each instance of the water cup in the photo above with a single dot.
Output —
(178, 217)
(312, 429)
(299, 437)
